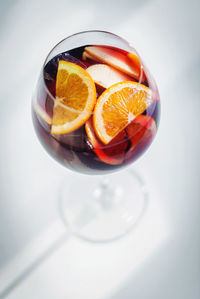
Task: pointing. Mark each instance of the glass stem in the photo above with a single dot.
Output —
(104, 193)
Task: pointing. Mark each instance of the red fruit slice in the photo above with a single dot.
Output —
(113, 58)
(141, 133)
(114, 152)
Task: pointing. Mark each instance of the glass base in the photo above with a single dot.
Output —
(103, 208)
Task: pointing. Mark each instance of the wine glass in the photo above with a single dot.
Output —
(96, 110)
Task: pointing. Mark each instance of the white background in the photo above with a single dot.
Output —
(39, 259)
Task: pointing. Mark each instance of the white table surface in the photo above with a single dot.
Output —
(39, 259)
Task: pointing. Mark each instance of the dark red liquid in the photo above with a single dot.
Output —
(75, 150)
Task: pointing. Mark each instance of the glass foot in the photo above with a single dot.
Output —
(103, 208)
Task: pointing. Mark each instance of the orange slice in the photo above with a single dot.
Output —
(42, 113)
(105, 75)
(134, 59)
(135, 62)
(75, 98)
(111, 57)
(118, 106)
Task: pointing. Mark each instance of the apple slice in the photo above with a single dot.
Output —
(86, 56)
(114, 152)
(116, 59)
(105, 75)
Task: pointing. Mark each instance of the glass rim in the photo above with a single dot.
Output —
(132, 50)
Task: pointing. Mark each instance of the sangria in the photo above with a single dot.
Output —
(96, 105)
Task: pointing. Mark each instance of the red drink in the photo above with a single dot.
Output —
(104, 141)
